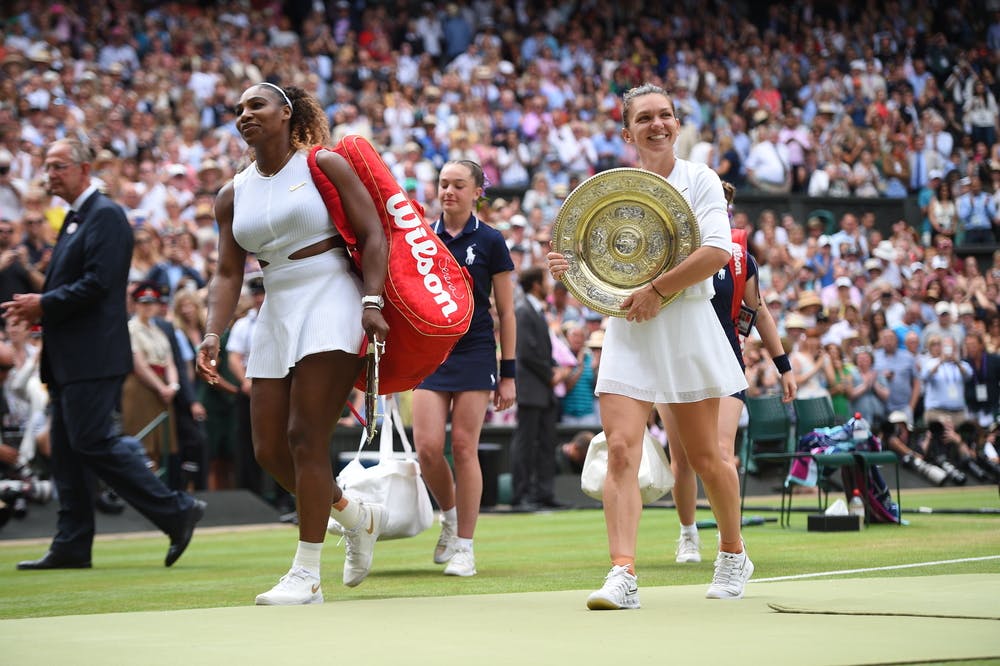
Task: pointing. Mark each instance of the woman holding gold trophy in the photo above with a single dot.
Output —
(666, 344)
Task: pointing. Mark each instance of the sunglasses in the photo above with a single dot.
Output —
(6, 368)
(4, 170)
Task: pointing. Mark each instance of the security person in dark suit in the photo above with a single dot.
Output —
(982, 389)
(533, 457)
(85, 357)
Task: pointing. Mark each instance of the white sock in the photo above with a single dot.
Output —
(465, 544)
(450, 516)
(349, 516)
(307, 556)
(690, 530)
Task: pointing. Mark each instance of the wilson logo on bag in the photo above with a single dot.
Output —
(428, 294)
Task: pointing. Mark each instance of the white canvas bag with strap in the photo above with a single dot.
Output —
(394, 482)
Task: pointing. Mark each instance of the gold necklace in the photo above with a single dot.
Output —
(291, 151)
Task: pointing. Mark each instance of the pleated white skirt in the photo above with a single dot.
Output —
(681, 355)
(311, 305)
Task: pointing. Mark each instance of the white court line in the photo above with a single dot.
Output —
(856, 571)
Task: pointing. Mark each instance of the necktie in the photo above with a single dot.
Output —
(71, 219)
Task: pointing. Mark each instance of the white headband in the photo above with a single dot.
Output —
(282, 92)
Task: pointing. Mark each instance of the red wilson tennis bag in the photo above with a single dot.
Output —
(428, 294)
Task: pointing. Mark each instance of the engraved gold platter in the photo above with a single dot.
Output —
(618, 230)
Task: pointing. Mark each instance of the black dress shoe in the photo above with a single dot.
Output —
(53, 561)
(180, 542)
(523, 507)
(551, 504)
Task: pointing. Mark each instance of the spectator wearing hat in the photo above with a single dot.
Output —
(793, 326)
(887, 255)
(823, 261)
(883, 298)
(210, 176)
(841, 293)
(809, 306)
(977, 213)
(944, 326)
(150, 388)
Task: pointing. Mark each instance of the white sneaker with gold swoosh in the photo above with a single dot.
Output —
(360, 543)
(298, 586)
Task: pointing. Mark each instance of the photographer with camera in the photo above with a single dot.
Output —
(943, 376)
(897, 436)
(18, 483)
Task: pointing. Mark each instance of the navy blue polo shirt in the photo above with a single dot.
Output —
(723, 302)
(483, 251)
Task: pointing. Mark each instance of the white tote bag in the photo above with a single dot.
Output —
(395, 482)
(655, 479)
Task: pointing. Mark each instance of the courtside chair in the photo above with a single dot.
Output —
(812, 413)
(769, 425)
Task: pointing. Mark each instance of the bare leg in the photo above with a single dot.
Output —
(466, 423)
(699, 432)
(430, 414)
(624, 421)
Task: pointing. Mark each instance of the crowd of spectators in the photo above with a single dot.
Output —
(842, 99)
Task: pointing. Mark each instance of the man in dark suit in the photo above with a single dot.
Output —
(533, 459)
(982, 389)
(85, 357)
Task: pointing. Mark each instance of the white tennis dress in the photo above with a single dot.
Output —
(681, 354)
(311, 305)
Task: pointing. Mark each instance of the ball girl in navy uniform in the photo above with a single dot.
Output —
(732, 297)
(465, 382)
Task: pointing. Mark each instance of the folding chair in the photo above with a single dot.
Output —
(769, 424)
(812, 413)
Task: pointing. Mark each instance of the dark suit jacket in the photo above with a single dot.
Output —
(84, 320)
(989, 375)
(534, 358)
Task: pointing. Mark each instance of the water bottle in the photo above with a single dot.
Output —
(860, 431)
(856, 507)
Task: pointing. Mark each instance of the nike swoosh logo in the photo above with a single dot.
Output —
(292, 188)
(315, 588)
(371, 527)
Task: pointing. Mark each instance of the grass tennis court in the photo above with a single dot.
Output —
(562, 554)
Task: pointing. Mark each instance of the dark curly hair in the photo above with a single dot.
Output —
(308, 125)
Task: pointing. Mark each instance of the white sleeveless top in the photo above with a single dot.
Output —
(277, 215)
